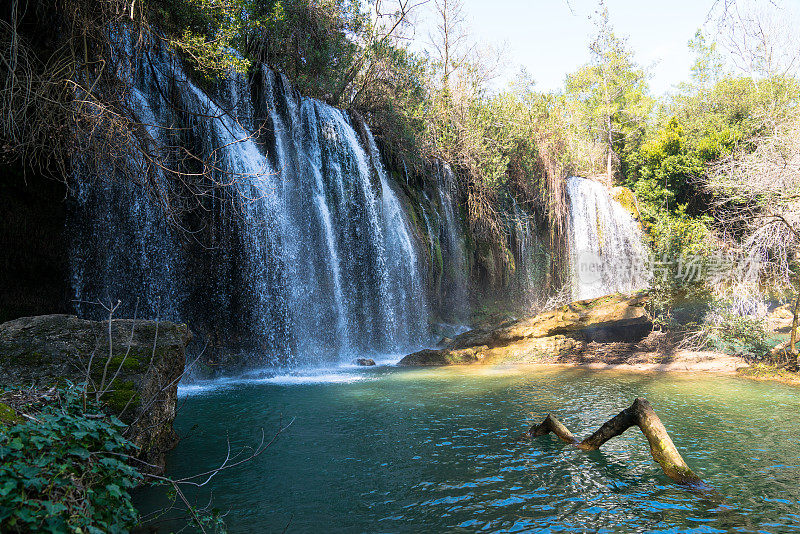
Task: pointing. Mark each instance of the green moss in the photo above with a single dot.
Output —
(20, 355)
(763, 371)
(123, 394)
(460, 357)
(134, 360)
(129, 364)
(593, 303)
(411, 209)
(627, 199)
(8, 416)
(438, 260)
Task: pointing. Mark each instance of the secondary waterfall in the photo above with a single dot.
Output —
(311, 258)
(608, 254)
(531, 259)
(453, 257)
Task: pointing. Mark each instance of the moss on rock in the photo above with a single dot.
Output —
(553, 333)
(122, 396)
(136, 374)
(8, 417)
(627, 199)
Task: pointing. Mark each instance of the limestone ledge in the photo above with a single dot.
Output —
(142, 366)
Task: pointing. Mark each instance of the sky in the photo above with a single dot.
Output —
(550, 38)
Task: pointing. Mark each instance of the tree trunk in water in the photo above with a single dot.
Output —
(640, 414)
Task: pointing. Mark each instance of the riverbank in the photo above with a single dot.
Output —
(610, 332)
(765, 372)
(679, 362)
(674, 361)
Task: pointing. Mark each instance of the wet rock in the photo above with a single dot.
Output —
(433, 357)
(627, 199)
(365, 361)
(555, 333)
(142, 365)
(780, 319)
(444, 342)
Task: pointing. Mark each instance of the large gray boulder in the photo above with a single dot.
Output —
(134, 367)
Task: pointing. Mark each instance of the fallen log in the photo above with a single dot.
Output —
(640, 414)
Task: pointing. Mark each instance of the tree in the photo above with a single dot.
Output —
(449, 38)
(379, 39)
(708, 65)
(761, 37)
(757, 183)
(759, 189)
(610, 93)
(640, 414)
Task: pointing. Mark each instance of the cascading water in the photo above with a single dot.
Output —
(531, 259)
(456, 290)
(315, 263)
(608, 254)
(122, 249)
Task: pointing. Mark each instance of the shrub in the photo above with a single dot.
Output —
(681, 248)
(63, 469)
(741, 334)
(728, 331)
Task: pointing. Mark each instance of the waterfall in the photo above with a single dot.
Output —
(608, 254)
(455, 263)
(121, 247)
(530, 256)
(311, 258)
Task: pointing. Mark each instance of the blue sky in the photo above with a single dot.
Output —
(550, 40)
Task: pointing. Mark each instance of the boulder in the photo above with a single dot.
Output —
(430, 357)
(365, 361)
(554, 333)
(135, 367)
(780, 319)
(443, 342)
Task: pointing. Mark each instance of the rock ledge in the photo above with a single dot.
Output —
(142, 367)
(551, 334)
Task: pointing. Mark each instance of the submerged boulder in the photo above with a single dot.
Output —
(554, 333)
(365, 362)
(134, 366)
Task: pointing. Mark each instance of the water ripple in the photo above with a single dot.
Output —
(434, 450)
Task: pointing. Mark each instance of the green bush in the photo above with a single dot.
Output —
(681, 248)
(61, 471)
(738, 334)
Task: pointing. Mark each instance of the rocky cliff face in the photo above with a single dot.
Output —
(133, 366)
(300, 240)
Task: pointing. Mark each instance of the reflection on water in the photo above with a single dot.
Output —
(391, 450)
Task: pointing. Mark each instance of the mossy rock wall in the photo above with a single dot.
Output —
(134, 366)
(627, 199)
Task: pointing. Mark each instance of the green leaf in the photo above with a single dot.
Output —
(7, 486)
(114, 490)
(80, 453)
(54, 508)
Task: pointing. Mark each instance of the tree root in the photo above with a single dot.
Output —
(640, 414)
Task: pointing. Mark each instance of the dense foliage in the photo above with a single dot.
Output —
(61, 471)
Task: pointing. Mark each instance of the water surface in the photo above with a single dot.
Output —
(393, 450)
